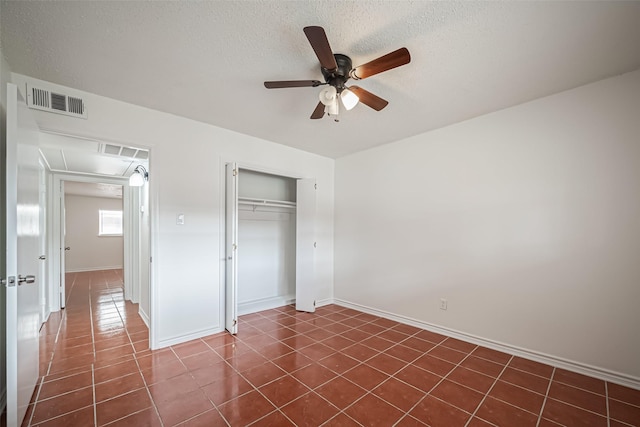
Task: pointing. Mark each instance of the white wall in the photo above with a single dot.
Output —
(526, 220)
(88, 250)
(186, 176)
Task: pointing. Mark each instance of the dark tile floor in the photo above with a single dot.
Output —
(336, 367)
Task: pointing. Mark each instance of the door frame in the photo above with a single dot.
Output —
(223, 217)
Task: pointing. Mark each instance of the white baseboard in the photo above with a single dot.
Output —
(558, 362)
(323, 302)
(264, 304)
(144, 316)
(187, 337)
(82, 270)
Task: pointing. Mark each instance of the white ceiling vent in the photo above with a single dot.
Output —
(39, 98)
(120, 151)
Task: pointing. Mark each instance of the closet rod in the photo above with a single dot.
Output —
(275, 205)
(264, 202)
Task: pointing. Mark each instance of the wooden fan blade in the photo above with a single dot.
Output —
(291, 83)
(387, 62)
(369, 99)
(320, 45)
(318, 113)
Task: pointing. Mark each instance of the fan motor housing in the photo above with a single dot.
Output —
(340, 75)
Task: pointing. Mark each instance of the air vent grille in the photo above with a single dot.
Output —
(40, 97)
(120, 151)
(54, 102)
(128, 152)
(58, 102)
(112, 149)
(76, 105)
(142, 154)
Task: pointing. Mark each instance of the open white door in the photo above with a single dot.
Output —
(22, 234)
(63, 249)
(305, 245)
(231, 244)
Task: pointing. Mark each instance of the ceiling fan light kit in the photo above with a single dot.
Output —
(337, 69)
(349, 99)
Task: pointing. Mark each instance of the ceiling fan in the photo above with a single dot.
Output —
(337, 69)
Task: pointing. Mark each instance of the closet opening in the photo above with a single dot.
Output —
(270, 242)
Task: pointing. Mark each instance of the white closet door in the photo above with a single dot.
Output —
(231, 285)
(305, 245)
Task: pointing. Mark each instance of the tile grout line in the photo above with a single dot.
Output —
(439, 382)
(93, 341)
(35, 401)
(95, 406)
(262, 394)
(310, 390)
(406, 413)
(546, 396)
(125, 417)
(55, 346)
(144, 381)
(504, 368)
(606, 392)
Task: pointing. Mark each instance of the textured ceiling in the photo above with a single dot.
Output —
(208, 60)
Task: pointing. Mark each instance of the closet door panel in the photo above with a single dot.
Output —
(231, 276)
(305, 245)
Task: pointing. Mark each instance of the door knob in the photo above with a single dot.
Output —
(42, 257)
(68, 248)
(26, 279)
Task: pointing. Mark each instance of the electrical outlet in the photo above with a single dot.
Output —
(443, 304)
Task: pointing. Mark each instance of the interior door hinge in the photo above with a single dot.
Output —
(234, 246)
(235, 172)
(235, 322)
(315, 244)
(315, 186)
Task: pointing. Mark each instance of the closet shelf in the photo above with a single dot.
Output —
(266, 202)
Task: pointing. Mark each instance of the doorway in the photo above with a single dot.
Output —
(83, 160)
(92, 230)
(87, 236)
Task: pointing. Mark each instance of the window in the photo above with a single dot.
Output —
(110, 223)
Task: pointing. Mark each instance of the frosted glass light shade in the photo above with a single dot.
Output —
(136, 180)
(349, 99)
(138, 177)
(328, 95)
(332, 108)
